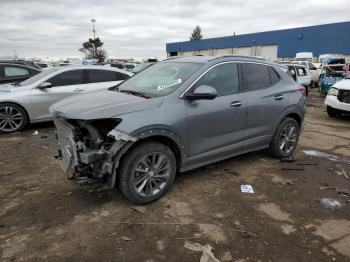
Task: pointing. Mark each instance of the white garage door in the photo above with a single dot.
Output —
(223, 51)
(244, 51)
(269, 51)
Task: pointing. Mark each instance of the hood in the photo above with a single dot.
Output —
(343, 84)
(101, 104)
(8, 89)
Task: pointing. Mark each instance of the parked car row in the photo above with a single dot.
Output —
(28, 101)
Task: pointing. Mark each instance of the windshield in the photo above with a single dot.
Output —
(335, 61)
(347, 76)
(160, 79)
(141, 67)
(37, 77)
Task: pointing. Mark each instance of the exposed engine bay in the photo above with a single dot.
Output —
(89, 149)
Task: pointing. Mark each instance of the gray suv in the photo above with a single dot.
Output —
(177, 115)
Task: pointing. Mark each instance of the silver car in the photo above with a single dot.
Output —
(29, 101)
(174, 116)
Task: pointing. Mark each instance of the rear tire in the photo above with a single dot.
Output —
(147, 172)
(285, 138)
(332, 112)
(12, 118)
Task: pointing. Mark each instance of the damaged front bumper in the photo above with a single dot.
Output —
(90, 164)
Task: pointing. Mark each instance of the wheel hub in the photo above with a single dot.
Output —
(151, 174)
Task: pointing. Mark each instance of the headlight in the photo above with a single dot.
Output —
(333, 91)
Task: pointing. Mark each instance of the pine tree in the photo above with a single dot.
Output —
(196, 34)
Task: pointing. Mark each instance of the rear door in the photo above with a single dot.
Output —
(267, 97)
(218, 124)
(99, 79)
(303, 76)
(64, 84)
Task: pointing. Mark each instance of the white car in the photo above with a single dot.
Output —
(29, 101)
(338, 98)
(314, 69)
(300, 73)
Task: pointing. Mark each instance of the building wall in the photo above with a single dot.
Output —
(321, 39)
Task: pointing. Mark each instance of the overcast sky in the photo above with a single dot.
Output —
(56, 28)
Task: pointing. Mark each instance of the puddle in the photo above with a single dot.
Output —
(326, 155)
(331, 203)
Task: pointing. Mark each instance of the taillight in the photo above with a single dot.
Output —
(302, 90)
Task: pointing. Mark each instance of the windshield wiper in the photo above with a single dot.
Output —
(135, 93)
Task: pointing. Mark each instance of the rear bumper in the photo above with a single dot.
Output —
(333, 102)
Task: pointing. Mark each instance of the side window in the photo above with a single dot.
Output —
(15, 71)
(73, 77)
(257, 76)
(224, 78)
(301, 71)
(291, 69)
(96, 76)
(274, 76)
(312, 67)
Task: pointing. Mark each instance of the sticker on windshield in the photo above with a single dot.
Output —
(170, 84)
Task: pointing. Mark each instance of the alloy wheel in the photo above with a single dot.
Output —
(151, 175)
(288, 138)
(10, 118)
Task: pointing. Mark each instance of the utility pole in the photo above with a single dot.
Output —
(93, 20)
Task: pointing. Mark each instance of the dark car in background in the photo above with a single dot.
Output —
(14, 73)
(21, 62)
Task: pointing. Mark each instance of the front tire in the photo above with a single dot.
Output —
(285, 138)
(147, 172)
(332, 112)
(12, 118)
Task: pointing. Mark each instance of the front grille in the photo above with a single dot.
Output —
(344, 96)
(68, 147)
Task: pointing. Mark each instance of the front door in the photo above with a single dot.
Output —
(214, 125)
(64, 84)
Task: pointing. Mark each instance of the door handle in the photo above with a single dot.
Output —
(79, 90)
(279, 97)
(236, 104)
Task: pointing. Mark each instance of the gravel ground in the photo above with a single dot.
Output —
(299, 211)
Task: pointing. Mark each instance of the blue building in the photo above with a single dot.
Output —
(279, 44)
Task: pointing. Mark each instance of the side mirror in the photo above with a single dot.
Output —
(202, 92)
(45, 85)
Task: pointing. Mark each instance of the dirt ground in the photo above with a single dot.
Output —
(298, 212)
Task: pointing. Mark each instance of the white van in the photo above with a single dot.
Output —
(304, 56)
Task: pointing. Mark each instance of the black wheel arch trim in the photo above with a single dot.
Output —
(142, 135)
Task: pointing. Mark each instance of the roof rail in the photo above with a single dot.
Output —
(238, 56)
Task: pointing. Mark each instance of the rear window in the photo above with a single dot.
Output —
(256, 76)
(95, 76)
